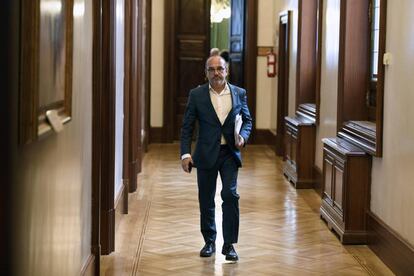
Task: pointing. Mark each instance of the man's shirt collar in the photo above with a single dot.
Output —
(225, 91)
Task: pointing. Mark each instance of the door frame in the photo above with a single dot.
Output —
(132, 78)
(285, 19)
(96, 126)
(250, 59)
(103, 130)
(9, 58)
(170, 52)
(145, 42)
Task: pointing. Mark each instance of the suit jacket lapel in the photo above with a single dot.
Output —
(234, 99)
(234, 96)
(210, 104)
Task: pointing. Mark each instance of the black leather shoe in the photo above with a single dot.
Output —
(230, 253)
(208, 250)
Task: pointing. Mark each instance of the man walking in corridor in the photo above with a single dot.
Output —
(216, 105)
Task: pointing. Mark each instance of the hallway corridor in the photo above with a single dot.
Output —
(280, 229)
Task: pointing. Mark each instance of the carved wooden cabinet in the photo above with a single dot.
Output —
(345, 190)
(300, 133)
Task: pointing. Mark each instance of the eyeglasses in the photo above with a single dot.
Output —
(219, 69)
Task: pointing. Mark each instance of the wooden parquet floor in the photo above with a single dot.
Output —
(281, 232)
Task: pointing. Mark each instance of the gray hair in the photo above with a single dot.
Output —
(214, 52)
(210, 58)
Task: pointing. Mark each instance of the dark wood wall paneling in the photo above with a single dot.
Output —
(29, 78)
(107, 130)
(380, 78)
(140, 93)
(237, 31)
(250, 58)
(169, 69)
(140, 87)
(318, 59)
(147, 53)
(354, 78)
(283, 79)
(127, 91)
(96, 129)
(134, 80)
(192, 38)
(353, 61)
(306, 60)
(144, 54)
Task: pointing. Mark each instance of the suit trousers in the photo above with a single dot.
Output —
(207, 178)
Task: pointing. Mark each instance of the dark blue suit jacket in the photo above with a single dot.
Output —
(200, 108)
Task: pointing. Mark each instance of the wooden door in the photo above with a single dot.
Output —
(187, 27)
(283, 80)
(237, 26)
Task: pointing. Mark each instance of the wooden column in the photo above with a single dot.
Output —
(96, 131)
(134, 128)
(107, 128)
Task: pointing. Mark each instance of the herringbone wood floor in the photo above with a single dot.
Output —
(280, 229)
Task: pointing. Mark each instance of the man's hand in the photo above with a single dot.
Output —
(185, 163)
(240, 145)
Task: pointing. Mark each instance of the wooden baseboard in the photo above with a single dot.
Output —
(317, 175)
(119, 199)
(121, 203)
(132, 187)
(140, 156)
(155, 135)
(279, 147)
(264, 137)
(107, 231)
(145, 141)
(88, 268)
(389, 246)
